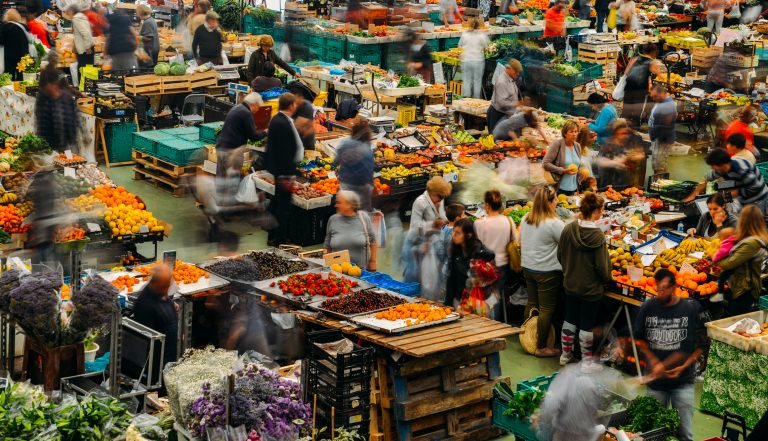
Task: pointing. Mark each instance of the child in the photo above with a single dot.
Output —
(728, 241)
(442, 242)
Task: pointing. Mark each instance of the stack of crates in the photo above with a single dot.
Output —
(561, 100)
(176, 146)
(119, 140)
(604, 54)
(396, 56)
(335, 47)
(364, 53)
(341, 383)
(316, 44)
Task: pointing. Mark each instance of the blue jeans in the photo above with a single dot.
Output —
(681, 399)
(601, 16)
(472, 74)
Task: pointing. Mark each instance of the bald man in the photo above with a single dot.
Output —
(156, 310)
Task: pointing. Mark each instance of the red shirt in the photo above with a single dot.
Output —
(98, 22)
(40, 31)
(738, 126)
(554, 22)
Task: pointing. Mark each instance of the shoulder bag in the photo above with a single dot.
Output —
(530, 334)
(513, 250)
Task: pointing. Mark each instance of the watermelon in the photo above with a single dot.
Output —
(178, 69)
(162, 69)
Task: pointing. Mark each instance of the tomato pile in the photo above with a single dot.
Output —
(313, 284)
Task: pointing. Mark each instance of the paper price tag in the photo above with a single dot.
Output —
(143, 229)
(687, 268)
(634, 273)
(68, 154)
(70, 172)
(93, 228)
(659, 246)
(331, 175)
(647, 259)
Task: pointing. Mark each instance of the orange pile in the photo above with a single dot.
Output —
(612, 194)
(10, 219)
(379, 188)
(415, 313)
(182, 272)
(125, 282)
(537, 4)
(114, 196)
(65, 234)
(632, 191)
(330, 186)
(645, 283)
(689, 280)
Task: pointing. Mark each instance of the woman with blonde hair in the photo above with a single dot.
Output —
(14, 38)
(745, 260)
(539, 237)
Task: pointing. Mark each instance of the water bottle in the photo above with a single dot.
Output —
(680, 227)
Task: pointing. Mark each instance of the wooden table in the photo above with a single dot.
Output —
(432, 383)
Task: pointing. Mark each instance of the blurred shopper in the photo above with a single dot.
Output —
(584, 8)
(715, 13)
(554, 19)
(355, 14)
(284, 152)
(442, 241)
(150, 39)
(351, 229)
(36, 26)
(715, 219)
(155, 309)
(267, 81)
(511, 128)
(563, 159)
(81, 30)
(606, 115)
(540, 232)
(239, 128)
(661, 127)
(627, 18)
(736, 146)
(745, 261)
(496, 232)
(465, 247)
(427, 217)
(601, 9)
(671, 337)
(207, 41)
(354, 158)
(419, 57)
(15, 42)
(612, 159)
(747, 179)
(583, 254)
(121, 42)
(506, 94)
(56, 114)
(304, 116)
(473, 44)
(449, 11)
(257, 65)
(638, 84)
(44, 219)
(742, 124)
(97, 19)
(198, 17)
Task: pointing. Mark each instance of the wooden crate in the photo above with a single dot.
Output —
(599, 57)
(47, 366)
(444, 396)
(174, 84)
(143, 84)
(203, 79)
(743, 61)
(707, 52)
(591, 48)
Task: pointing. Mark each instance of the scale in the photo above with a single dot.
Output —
(229, 72)
(379, 123)
(109, 89)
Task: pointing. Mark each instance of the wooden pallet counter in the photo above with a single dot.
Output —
(433, 383)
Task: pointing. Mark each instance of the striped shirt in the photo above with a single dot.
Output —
(747, 178)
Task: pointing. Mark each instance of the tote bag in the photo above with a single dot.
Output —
(618, 91)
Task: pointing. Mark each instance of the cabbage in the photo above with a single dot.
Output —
(178, 69)
(162, 69)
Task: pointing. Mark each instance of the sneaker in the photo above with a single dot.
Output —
(717, 298)
(565, 358)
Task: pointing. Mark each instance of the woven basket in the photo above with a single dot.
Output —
(529, 336)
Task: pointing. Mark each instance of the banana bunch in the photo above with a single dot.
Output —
(712, 247)
(487, 142)
(672, 256)
(689, 246)
(8, 197)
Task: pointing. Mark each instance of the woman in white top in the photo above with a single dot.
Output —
(427, 214)
(473, 43)
(496, 231)
(628, 15)
(539, 235)
(715, 13)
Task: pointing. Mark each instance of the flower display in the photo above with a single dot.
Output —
(209, 410)
(27, 64)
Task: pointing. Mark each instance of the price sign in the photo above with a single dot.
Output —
(93, 228)
(68, 154)
(647, 259)
(144, 229)
(331, 175)
(169, 258)
(70, 172)
(687, 268)
(659, 246)
(634, 273)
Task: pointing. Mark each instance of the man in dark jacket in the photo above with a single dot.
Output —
(419, 57)
(155, 309)
(601, 8)
(239, 128)
(265, 54)
(267, 81)
(56, 116)
(207, 41)
(284, 152)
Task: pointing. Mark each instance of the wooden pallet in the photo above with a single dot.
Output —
(599, 57)
(163, 166)
(177, 189)
(444, 396)
(203, 79)
(174, 84)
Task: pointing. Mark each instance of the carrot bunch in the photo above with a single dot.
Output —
(10, 219)
(415, 313)
(125, 282)
(65, 234)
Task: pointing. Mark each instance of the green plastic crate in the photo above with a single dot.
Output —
(512, 424)
(278, 33)
(356, 50)
(763, 302)
(449, 43)
(336, 43)
(541, 382)
(333, 55)
(147, 141)
(373, 59)
(208, 131)
(191, 136)
(182, 130)
(119, 140)
(177, 151)
(317, 52)
(589, 72)
(763, 167)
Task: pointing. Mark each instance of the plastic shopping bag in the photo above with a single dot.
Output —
(613, 16)
(430, 275)
(618, 91)
(735, 11)
(247, 192)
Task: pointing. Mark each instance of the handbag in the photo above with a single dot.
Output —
(530, 335)
(618, 91)
(513, 250)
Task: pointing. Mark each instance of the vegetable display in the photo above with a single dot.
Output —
(408, 81)
(566, 69)
(361, 302)
(314, 284)
(646, 413)
(258, 265)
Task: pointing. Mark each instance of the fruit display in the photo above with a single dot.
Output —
(612, 195)
(412, 158)
(7, 197)
(306, 192)
(492, 157)
(314, 284)
(655, 203)
(632, 191)
(85, 203)
(68, 233)
(328, 186)
(23, 209)
(447, 167)
(93, 175)
(115, 196)
(415, 313)
(399, 172)
(258, 265)
(183, 273)
(70, 186)
(124, 220)
(361, 302)
(348, 269)
(17, 182)
(621, 258)
(11, 219)
(763, 331)
(379, 188)
(435, 152)
(63, 160)
(114, 103)
(125, 282)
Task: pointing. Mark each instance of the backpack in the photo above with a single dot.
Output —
(348, 108)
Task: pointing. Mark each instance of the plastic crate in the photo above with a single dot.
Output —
(763, 303)
(147, 141)
(182, 131)
(358, 420)
(405, 114)
(336, 43)
(449, 43)
(278, 34)
(522, 430)
(675, 192)
(589, 72)
(317, 52)
(334, 55)
(357, 51)
(177, 151)
(354, 365)
(763, 168)
(119, 139)
(191, 137)
(539, 383)
(343, 395)
(208, 131)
